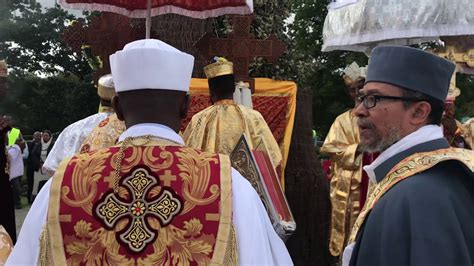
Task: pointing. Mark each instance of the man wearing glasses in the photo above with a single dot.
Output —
(421, 211)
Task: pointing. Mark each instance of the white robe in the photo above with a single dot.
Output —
(257, 241)
(70, 140)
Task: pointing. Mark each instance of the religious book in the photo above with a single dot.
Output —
(256, 166)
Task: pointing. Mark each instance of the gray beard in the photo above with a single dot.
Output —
(380, 144)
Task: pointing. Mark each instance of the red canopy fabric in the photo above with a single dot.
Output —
(190, 8)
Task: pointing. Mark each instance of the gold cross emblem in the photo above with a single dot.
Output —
(137, 233)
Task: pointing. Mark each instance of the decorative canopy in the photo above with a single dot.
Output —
(138, 8)
(359, 25)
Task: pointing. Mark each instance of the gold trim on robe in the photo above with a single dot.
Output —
(104, 135)
(218, 128)
(193, 188)
(346, 175)
(6, 245)
(408, 167)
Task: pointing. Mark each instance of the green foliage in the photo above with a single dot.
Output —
(317, 70)
(465, 101)
(31, 42)
(49, 103)
(322, 71)
(50, 86)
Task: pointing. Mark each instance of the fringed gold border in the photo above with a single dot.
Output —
(53, 223)
(225, 221)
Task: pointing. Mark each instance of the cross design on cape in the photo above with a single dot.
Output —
(241, 47)
(137, 233)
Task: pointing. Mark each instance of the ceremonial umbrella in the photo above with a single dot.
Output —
(147, 8)
(359, 25)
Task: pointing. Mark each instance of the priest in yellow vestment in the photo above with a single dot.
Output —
(349, 184)
(219, 127)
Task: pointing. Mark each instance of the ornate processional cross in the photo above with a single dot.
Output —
(105, 34)
(459, 49)
(241, 47)
(137, 233)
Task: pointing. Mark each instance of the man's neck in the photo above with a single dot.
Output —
(224, 102)
(171, 124)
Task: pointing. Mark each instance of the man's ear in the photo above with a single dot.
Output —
(117, 108)
(421, 113)
(183, 110)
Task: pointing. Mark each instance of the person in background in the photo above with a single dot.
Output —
(72, 137)
(41, 152)
(349, 184)
(14, 133)
(31, 163)
(7, 217)
(15, 153)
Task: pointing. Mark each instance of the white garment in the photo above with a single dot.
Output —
(341, 3)
(16, 161)
(257, 241)
(70, 140)
(423, 134)
(44, 148)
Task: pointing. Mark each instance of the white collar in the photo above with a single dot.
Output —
(151, 129)
(423, 134)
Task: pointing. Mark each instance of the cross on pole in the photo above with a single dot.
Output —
(459, 49)
(241, 47)
(106, 34)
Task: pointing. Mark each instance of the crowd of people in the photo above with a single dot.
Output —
(26, 159)
(128, 187)
(22, 159)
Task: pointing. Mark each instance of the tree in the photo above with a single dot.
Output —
(322, 71)
(49, 103)
(307, 190)
(31, 42)
(50, 86)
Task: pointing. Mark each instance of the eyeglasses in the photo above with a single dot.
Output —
(370, 101)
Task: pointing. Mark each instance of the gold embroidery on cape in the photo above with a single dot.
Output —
(195, 172)
(173, 245)
(138, 234)
(410, 166)
(84, 180)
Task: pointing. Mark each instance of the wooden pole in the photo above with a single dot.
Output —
(148, 19)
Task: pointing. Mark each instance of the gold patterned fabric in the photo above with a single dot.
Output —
(346, 174)
(219, 127)
(469, 132)
(103, 135)
(408, 167)
(6, 245)
(172, 206)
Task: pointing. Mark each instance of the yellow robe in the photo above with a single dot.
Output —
(6, 245)
(346, 174)
(469, 132)
(104, 135)
(218, 128)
